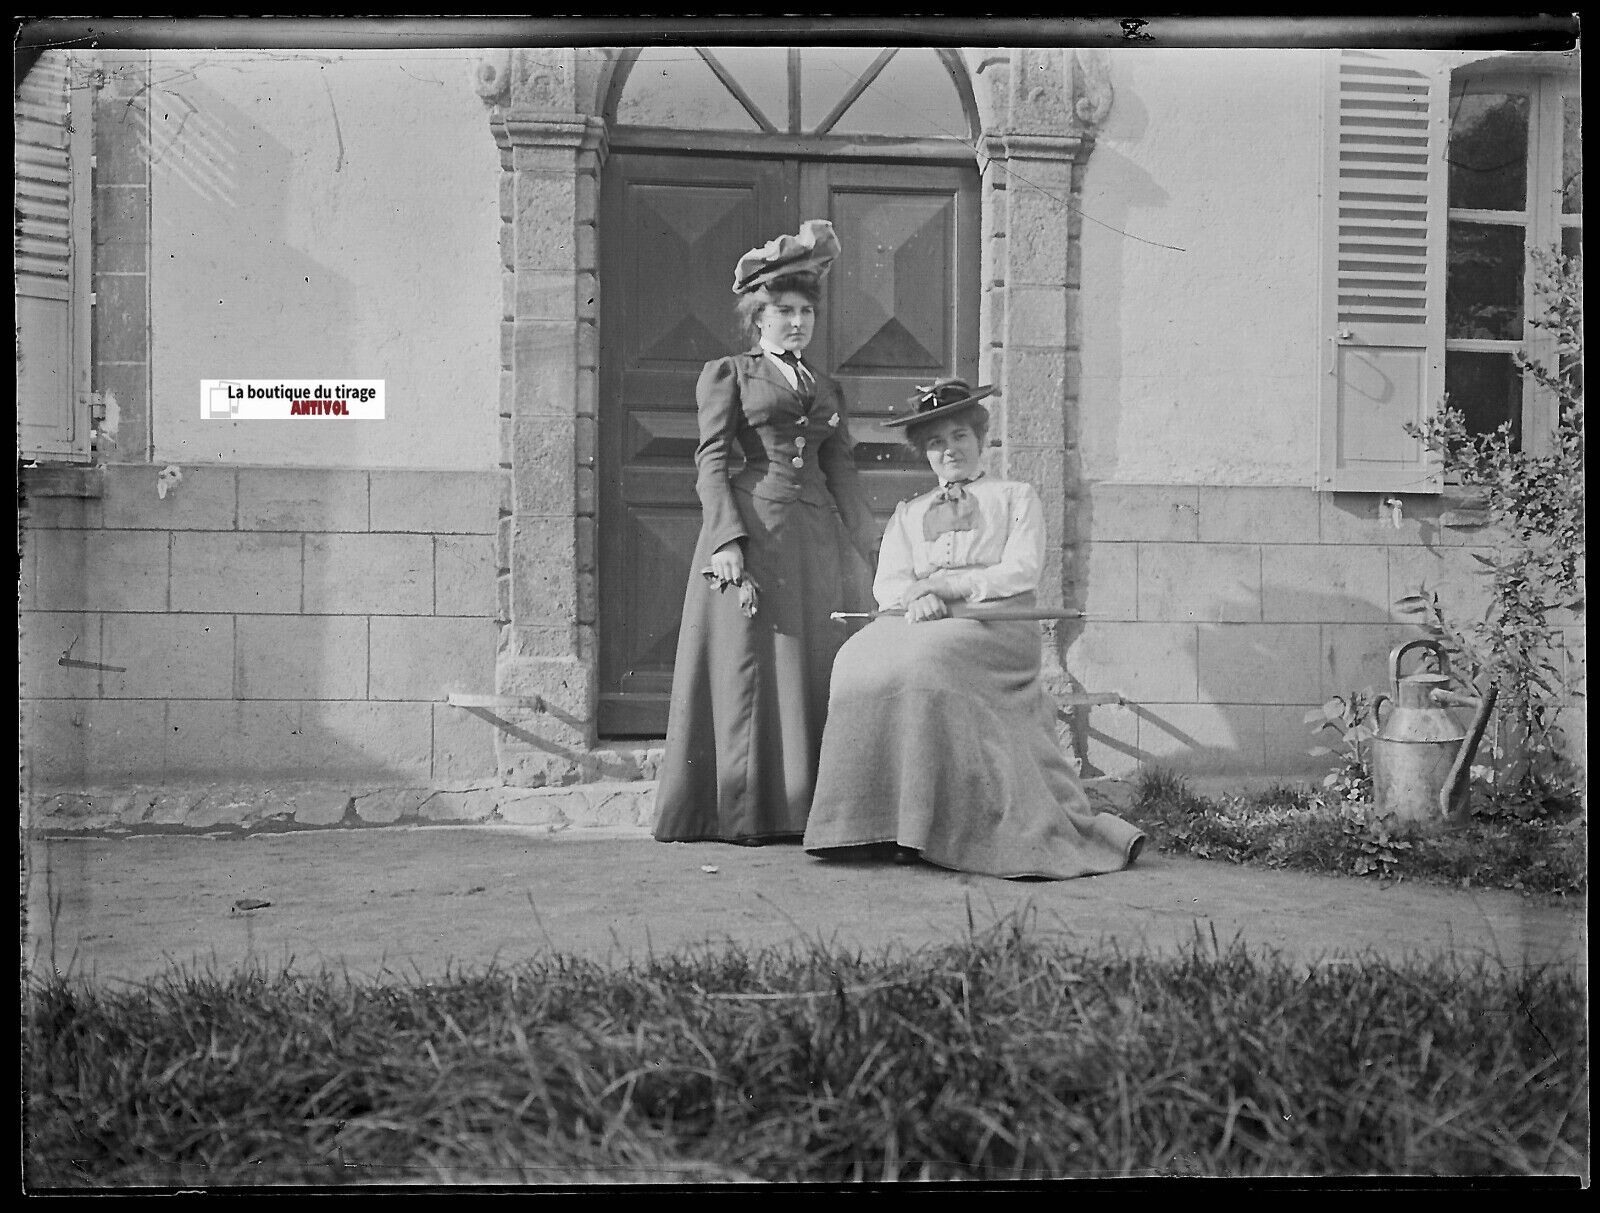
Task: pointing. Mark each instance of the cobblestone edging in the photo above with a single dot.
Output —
(284, 807)
(253, 808)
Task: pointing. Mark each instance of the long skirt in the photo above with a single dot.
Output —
(749, 696)
(940, 738)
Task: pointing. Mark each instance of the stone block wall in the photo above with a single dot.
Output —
(258, 623)
(1225, 614)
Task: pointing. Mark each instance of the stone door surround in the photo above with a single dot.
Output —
(1038, 109)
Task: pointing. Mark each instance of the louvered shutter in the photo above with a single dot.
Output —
(53, 148)
(1383, 280)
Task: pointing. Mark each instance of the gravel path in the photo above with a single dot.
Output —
(423, 900)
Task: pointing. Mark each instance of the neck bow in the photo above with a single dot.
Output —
(953, 509)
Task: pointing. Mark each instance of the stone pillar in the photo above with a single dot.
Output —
(550, 156)
(1042, 106)
(1032, 167)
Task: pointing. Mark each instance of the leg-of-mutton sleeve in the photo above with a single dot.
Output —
(717, 396)
(838, 463)
(1022, 562)
(896, 563)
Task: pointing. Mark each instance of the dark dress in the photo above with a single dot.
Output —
(749, 695)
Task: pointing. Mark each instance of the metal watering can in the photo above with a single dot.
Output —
(1421, 758)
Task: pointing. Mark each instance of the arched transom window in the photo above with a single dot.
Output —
(904, 92)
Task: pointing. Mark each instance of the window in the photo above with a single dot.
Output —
(1437, 185)
(1515, 185)
(838, 91)
(52, 153)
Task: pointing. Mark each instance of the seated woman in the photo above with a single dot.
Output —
(940, 740)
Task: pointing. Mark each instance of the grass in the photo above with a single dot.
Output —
(1288, 826)
(997, 1058)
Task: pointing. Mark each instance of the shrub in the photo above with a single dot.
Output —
(1535, 504)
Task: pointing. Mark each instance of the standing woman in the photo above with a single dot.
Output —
(786, 539)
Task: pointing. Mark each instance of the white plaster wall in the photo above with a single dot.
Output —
(320, 214)
(1200, 361)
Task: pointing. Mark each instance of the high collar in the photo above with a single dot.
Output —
(776, 352)
(945, 484)
(765, 368)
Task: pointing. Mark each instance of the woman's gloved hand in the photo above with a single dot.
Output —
(727, 562)
(727, 569)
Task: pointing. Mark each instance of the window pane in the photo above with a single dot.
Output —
(1483, 288)
(1486, 389)
(1572, 363)
(1489, 151)
(914, 95)
(826, 73)
(1571, 156)
(763, 73)
(672, 86)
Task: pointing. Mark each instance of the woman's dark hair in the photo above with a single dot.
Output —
(751, 303)
(975, 415)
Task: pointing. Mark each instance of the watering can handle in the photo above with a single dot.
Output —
(1378, 701)
(1400, 650)
(1462, 768)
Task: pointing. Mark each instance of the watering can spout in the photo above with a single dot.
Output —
(1453, 796)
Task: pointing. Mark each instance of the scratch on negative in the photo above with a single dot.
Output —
(338, 164)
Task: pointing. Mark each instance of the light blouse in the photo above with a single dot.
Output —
(1001, 556)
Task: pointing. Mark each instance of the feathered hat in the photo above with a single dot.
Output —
(811, 251)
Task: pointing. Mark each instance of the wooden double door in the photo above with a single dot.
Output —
(899, 308)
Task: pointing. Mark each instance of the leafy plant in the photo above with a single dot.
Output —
(1379, 841)
(1534, 501)
(1308, 830)
(1349, 718)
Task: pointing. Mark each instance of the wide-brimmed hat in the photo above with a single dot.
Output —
(810, 252)
(938, 399)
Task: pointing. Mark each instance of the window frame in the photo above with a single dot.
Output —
(1541, 219)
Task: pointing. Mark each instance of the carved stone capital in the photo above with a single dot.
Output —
(491, 75)
(1040, 91)
(538, 78)
(1092, 93)
(544, 78)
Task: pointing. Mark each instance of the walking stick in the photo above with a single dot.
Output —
(961, 610)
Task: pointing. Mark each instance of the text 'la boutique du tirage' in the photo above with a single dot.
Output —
(257, 399)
